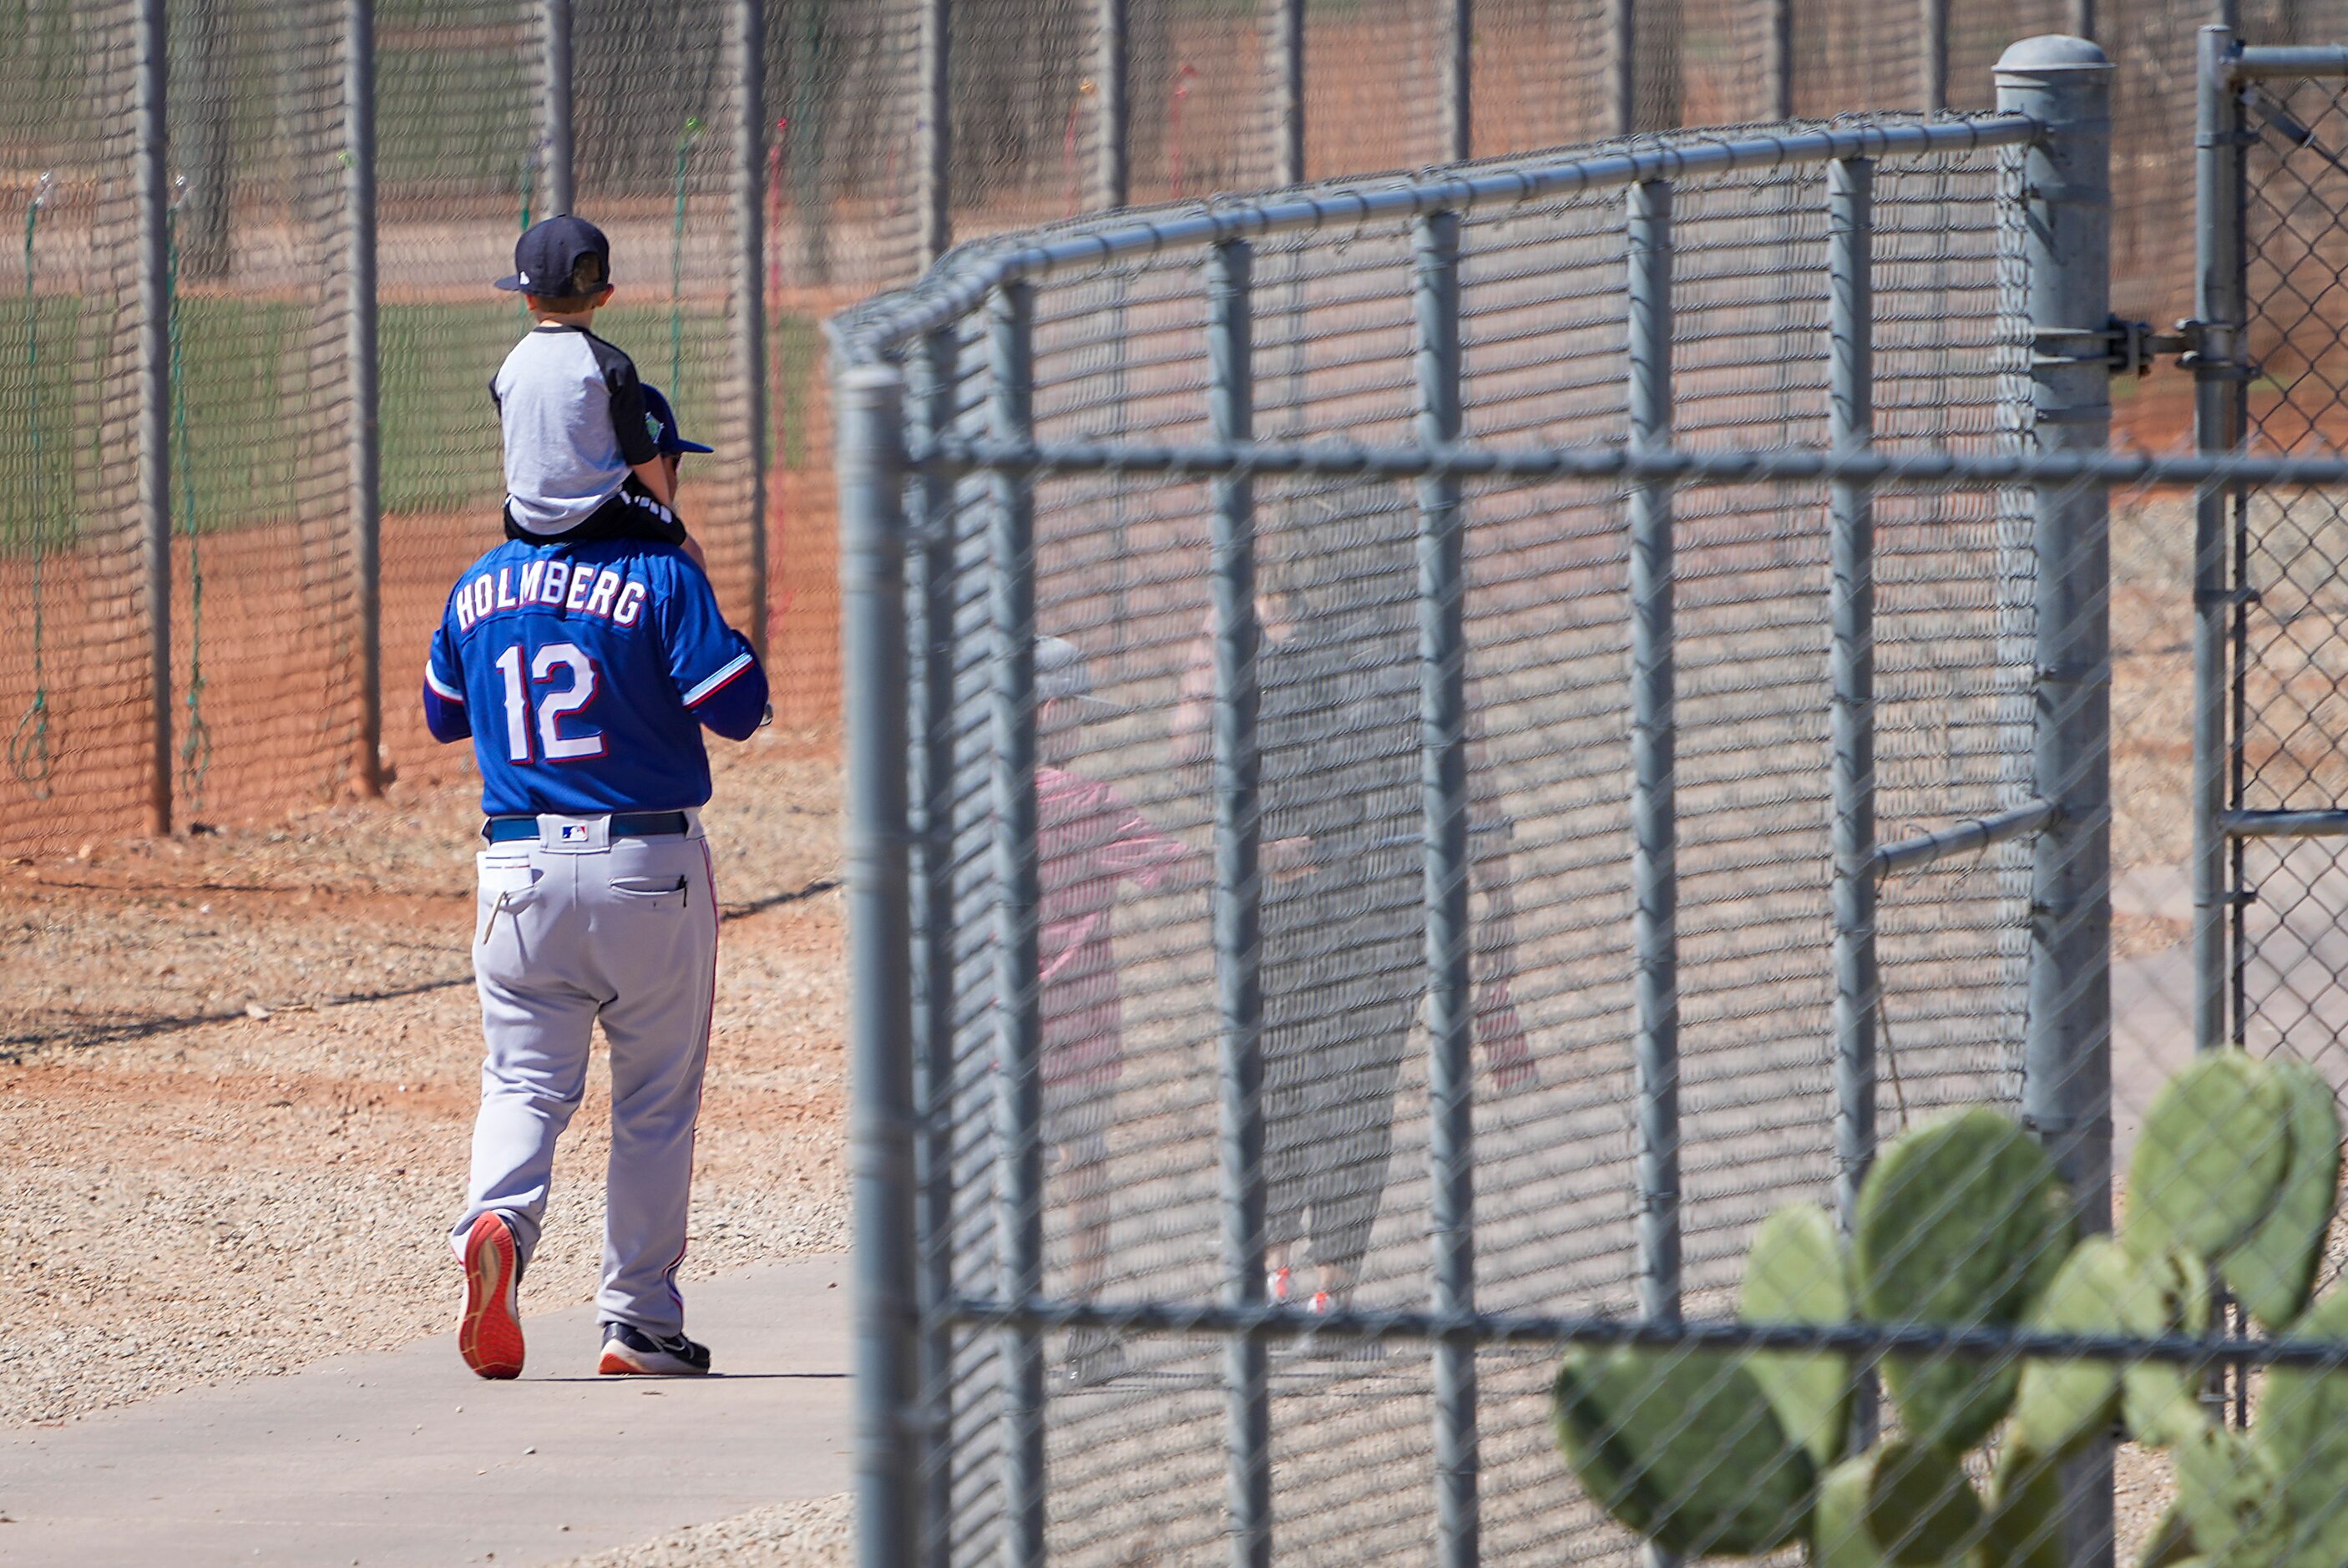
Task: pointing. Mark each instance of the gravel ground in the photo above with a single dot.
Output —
(811, 1534)
(239, 1073)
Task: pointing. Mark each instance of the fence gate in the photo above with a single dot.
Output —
(2269, 353)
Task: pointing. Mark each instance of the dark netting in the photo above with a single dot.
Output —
(1541, 74)
(460, 170)
(73, 631)
(1371, 87)
(264, 630)
(1025, 105)
(462, 165)
(657, 131)
(844, 118)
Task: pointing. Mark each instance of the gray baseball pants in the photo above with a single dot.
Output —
(574, 927)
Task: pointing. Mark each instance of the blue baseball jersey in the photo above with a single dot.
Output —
(584, 671)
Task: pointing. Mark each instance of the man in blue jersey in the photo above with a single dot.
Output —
(584, 663)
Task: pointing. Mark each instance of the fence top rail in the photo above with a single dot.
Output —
(2257, 61)
(954, 455)
(965, 276)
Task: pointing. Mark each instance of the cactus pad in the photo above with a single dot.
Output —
(2231, 1496)
(2167, 1293)
(2064, 1402)
(2210, 1160)
(1839, 1537)
(1795, 1272)
(1958, 1222)
(2302, 1429)
(2273, 1269)
(1681, 1446)
(2025, 1514)
(2170, 1544)
(1921, 1509)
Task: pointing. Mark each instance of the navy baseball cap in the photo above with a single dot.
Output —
(665, 434)
(547, 258)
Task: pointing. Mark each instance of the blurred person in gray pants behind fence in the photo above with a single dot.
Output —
(1343, 866)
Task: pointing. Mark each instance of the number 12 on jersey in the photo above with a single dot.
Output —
(568, 678)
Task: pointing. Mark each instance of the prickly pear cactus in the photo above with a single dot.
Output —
(2025, 1528)
(1920, 1510)
(2273, 1269)
(2303, 1427)
(1958, 1222)
(2171, 1543)
(2228, 1491)
(2210, 1160)
(1681, 1446)
(1838, 1534)
(2167, 1293)
(2063, 1403)
(1796, 1273)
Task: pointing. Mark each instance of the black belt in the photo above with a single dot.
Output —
(624, 825)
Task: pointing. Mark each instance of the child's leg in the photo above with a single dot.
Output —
(1076, 1120)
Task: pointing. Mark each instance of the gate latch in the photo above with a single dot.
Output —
(2134, 347)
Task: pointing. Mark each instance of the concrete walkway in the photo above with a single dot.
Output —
(404, 1456)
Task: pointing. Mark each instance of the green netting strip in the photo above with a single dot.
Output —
(676, 265)
(196, 747)
(28, 744)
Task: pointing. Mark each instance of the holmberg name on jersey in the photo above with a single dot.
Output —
(589, 589)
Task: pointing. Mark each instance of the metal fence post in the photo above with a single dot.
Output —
(555, 19)
(1442, 775)
(2219, 307)
(1622, 66)
(749, 30)
(872, 620)
(1653, 827)
(1934, 56)
(2066, 84)
(936, 128)
(933, 952)
(1237, 903)
(1851, 390)
(1458, 81)
(1112, 170)
(154, 196)
(365, 433)
(1655, 879)
(1288, 75)
(1777, 60)
(1851, 372)
(1019, 1100)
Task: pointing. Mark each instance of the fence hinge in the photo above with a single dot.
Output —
(2136, 347)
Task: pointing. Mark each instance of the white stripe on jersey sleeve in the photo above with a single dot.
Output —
(726, 672)
(440, 688)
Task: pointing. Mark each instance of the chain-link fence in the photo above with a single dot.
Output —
(1592, 751)
(884, 131)
(2288, 553)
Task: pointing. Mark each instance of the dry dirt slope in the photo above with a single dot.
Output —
(237, 1075)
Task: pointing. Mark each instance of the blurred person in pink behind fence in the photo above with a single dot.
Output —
(1089, 841)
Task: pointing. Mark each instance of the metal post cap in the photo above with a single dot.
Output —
(2050, 54)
